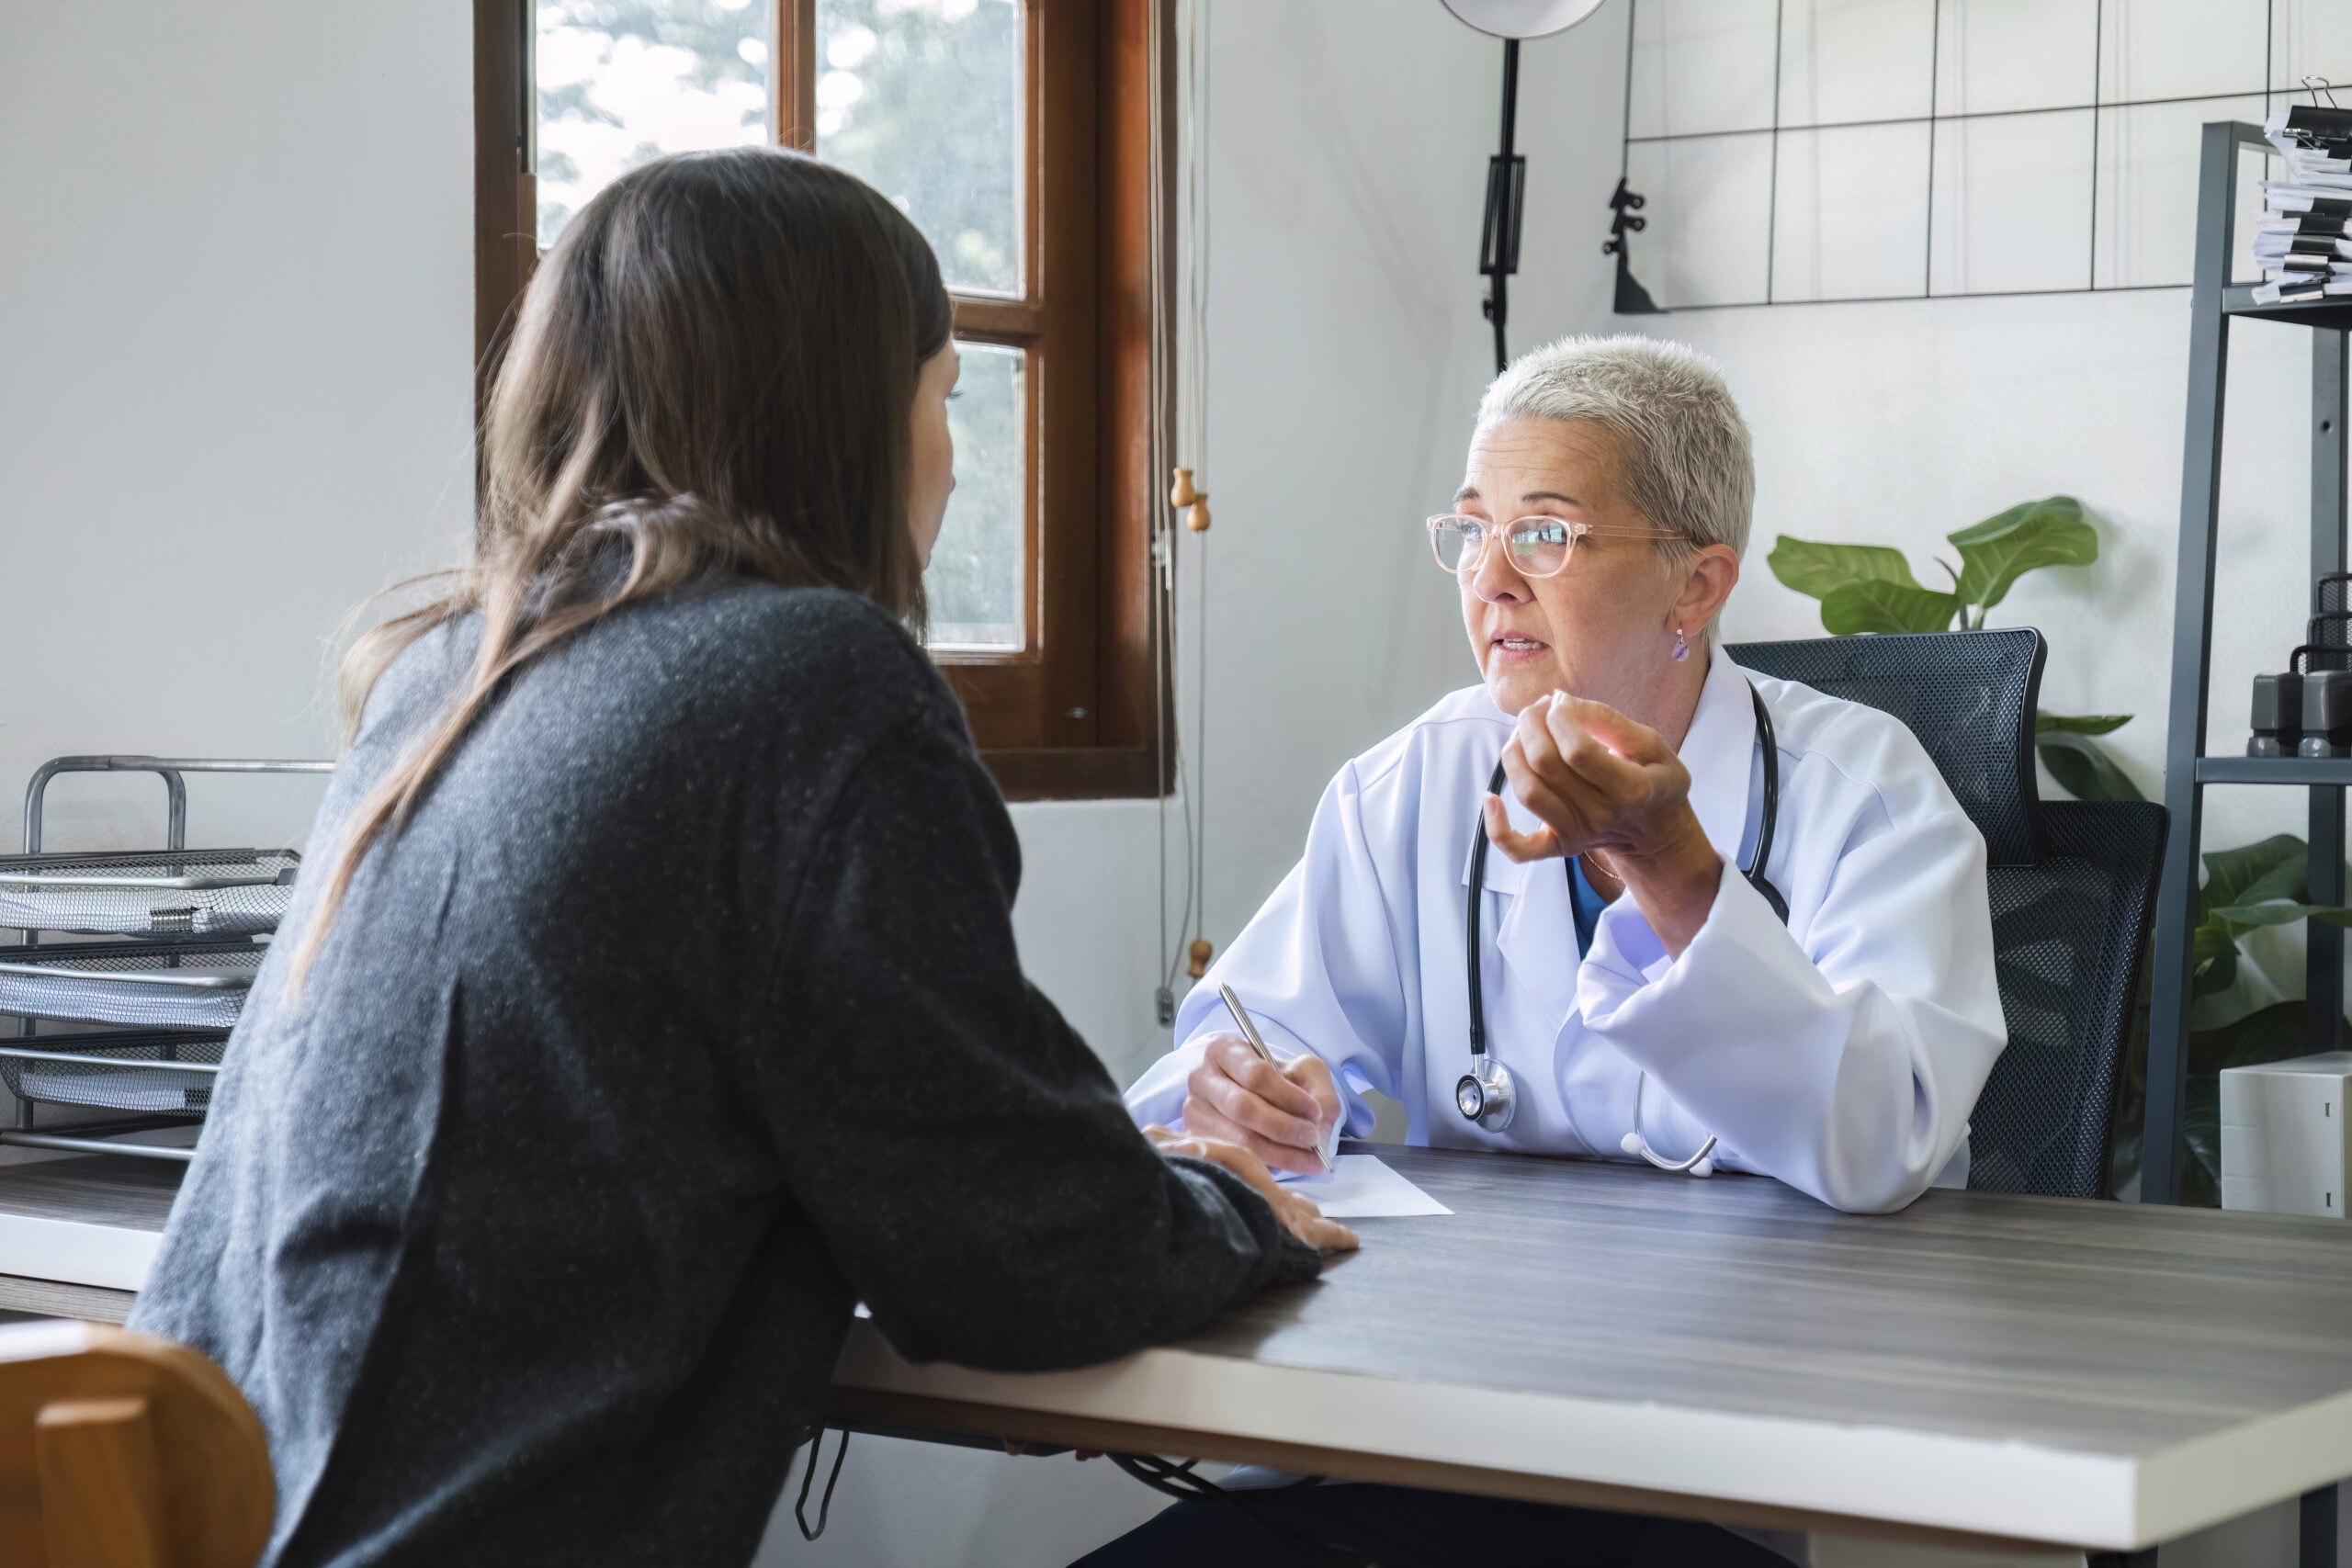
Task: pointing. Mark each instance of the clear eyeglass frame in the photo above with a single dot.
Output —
(1539, 545)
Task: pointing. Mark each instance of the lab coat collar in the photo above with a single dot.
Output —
(1720, 752)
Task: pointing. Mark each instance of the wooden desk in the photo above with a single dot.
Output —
(2041, 1372)
(94, 1221)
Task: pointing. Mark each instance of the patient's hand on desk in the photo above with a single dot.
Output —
(1298, 1215)
(1274, 1112)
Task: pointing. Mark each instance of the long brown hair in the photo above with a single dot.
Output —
(714, 369)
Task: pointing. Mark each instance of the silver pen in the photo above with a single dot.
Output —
(1257, 1043)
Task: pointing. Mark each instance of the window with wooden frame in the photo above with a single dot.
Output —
(1020, 136)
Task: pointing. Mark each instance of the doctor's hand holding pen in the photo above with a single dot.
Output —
(1611, 790)
(1296, 1214)
(1280, 1113)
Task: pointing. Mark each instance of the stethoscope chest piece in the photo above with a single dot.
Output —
(1485, 1094)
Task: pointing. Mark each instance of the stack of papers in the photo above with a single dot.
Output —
(2304, 240)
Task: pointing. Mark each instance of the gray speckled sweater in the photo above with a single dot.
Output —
(684, 1013)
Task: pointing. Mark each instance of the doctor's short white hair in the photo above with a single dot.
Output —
(1689, 464)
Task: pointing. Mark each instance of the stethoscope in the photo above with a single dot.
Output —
(1486, 1094)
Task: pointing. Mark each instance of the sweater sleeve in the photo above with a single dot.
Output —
(959, 1147)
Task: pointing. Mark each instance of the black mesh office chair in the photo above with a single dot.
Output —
(2073, 883)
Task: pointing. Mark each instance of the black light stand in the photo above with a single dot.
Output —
(1506, 206)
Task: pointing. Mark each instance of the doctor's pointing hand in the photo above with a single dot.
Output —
(1609, 789)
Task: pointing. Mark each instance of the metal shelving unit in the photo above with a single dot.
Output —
(2215, 304)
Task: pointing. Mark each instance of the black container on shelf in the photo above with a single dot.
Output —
(2327, 714)
(2278, 715)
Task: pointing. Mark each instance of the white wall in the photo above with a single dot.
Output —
(236, 319)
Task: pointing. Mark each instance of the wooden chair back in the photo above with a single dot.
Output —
(123, 1450)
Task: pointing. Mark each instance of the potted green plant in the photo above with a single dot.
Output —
(1869, 588)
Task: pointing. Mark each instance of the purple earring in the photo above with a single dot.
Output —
(1681, 648)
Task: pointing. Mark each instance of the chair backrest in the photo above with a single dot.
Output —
(1967, 695)
(123, 1450)
(2070, 933)
(2072, 887)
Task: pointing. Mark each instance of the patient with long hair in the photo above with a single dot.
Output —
(655, 999)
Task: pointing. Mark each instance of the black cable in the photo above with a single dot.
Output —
(825, 1504)
(1179, 1482)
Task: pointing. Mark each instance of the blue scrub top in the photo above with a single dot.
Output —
(1586, 903)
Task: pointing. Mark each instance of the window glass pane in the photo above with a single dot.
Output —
(974, 582)
(2181, 48)
(1709, 236)
(2012, 204)
(2147, 190)
(1850, 213)
(922, 99)
(1996, 55)
(1702, 65)
(622, 82)
(1843, 60)
(2311, 37)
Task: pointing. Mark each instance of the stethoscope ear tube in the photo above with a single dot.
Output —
(1769, 744)
(1486, 1094)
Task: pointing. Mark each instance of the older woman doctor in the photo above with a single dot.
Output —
(1643, 996)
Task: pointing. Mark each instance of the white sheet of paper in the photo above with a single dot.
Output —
(1361, 1188)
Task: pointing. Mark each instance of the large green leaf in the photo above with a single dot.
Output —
(2266, 1034)
(1997, 552)
(2269, 875)
(2282, 914)
(2080, 724)
(1821, 570)
(1886, 607)
(2083, 767)
(2254, 873)
(2214, 956)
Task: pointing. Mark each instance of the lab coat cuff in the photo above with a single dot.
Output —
(1158, 1097)
(1627, 960)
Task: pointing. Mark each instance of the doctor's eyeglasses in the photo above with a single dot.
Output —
(1535, 547)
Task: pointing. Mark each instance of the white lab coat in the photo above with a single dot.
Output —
(1841, 1052)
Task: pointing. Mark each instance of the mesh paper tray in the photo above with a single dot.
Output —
(154, 1071)
(149, 892)
(151, 984)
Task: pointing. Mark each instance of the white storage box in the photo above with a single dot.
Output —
(2285, 1146)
